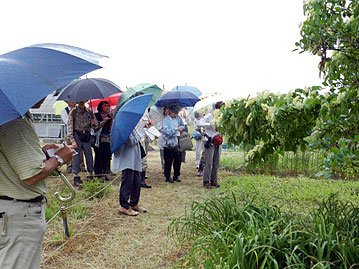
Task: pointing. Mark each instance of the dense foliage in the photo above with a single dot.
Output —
(225, 235)
(270, 124)
(331, 31)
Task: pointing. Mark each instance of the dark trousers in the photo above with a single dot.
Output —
(211, 163)
(172, 156)
(102, 158)
(76, 160)
(130, 188)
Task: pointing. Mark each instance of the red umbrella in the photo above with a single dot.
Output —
(112, 100)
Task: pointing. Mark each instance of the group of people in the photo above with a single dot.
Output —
(24, 168)
(129, 158)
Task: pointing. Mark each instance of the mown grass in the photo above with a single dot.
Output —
(105, 239)
(90, 188)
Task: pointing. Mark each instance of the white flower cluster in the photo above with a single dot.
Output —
(262, 96)
(249, 119)
(270, 116)
(250, 102)
(251, 154)
(340, 97)
(228, 104)
(265, 107)
(297, 103)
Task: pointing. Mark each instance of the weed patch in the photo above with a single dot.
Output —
(223, 234)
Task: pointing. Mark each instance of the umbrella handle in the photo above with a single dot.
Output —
(68, 184)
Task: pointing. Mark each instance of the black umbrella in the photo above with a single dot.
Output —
(86, 89)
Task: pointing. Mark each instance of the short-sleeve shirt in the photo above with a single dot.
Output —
(82, 121)
(21, 157)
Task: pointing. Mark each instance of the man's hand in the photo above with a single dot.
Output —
(180, 128)
(65, 153)
(149, 124)
(74, 145)
(93, 122)
(50, 165)
(50, 146)
(105, 120)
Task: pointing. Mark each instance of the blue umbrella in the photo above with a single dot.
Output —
(88, 88)
(127, 118)
(190, 89)
(180, 98)
(29, 74)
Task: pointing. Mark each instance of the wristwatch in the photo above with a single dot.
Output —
(59, 159)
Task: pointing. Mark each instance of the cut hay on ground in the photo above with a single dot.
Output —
(105, 239)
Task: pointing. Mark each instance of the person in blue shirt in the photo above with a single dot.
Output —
(172, 126)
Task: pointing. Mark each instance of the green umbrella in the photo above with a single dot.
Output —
(144, 88)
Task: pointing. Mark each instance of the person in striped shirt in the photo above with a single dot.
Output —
(23, 170)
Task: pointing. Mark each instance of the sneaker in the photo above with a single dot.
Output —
(199, 174)
(83, 169)
(127, 212)
(207, 185)
(139, 209)
(177, 179)
(170, 180)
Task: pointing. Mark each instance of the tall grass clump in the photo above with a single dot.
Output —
(222, 234)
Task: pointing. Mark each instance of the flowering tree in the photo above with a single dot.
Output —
(271, 124)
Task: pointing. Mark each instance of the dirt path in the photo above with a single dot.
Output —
(109, 240)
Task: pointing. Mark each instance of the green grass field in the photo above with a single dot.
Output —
(296, 194)
(291, 164)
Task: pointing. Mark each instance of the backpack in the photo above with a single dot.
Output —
(184, 142)
(217, 140)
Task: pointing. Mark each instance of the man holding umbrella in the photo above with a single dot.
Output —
(23, 168)
(172, 126)
(81, 120)
(28, 75)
